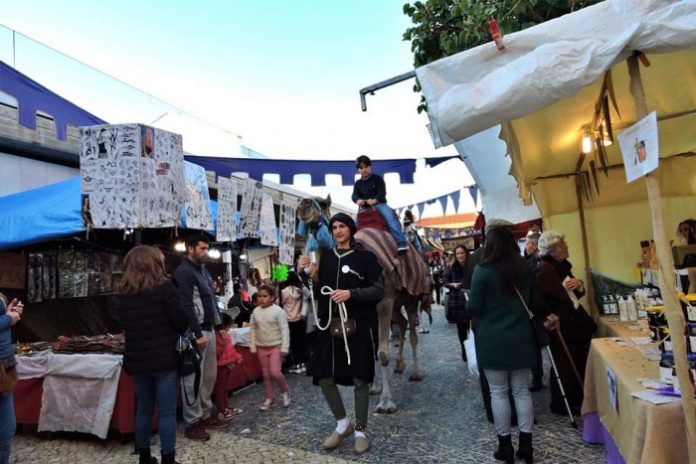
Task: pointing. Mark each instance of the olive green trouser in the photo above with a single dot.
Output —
(333, 398)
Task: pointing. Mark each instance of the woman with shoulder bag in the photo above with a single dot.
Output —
(456, 300)
(351, 285)
(505, 339)
(152, 319)
(10, 314)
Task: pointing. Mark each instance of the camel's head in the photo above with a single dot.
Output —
(314, 214)
(309, 210)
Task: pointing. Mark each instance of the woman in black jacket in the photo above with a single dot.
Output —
(152, 319)
(456, 302)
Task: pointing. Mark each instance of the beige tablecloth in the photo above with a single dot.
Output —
(610, 326)
(645, 433)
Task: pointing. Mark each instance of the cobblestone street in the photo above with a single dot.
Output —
(440, 420)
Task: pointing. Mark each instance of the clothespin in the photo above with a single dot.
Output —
(495, 33)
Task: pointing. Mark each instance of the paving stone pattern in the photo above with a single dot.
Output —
(440, 420)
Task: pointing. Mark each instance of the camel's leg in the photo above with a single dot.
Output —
(413, 336)
(400, 365)
(386, 403)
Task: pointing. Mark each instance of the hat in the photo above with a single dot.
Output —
(344, 219)
(497, 223)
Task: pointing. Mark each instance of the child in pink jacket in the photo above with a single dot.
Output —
(227, 359)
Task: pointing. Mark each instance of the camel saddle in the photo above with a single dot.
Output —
(411, 267)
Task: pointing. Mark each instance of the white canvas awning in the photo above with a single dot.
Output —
(479, 88)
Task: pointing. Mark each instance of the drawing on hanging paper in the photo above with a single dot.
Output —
(226, 230)
(126, 183)
(251, 209)
(267, 227)
(199, 214)
(287, 232)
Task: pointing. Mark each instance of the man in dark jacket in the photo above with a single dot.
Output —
(197, 295)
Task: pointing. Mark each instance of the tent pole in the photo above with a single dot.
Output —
(586, 250)
(675, 317)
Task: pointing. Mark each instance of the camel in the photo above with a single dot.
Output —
(315, 213)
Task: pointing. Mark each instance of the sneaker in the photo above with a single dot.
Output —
(213, 423)
(303, 369)
(286, 399)
(196, 432)
(267, 405)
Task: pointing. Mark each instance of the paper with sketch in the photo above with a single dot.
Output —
(640, 147)
(268, 231)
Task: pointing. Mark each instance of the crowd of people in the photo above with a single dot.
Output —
(489, 291)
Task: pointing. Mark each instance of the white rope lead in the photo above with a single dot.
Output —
(342, 316)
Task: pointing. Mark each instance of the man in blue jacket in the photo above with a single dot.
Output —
(195, 288)
(370, 190)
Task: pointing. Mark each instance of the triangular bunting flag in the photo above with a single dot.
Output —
(443, 202)
(421, 207)
(455, 200)
(473, 191)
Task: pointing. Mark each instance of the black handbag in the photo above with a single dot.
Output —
(190, 359)
(541, 335)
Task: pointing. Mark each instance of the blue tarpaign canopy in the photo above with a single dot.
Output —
(47, 213)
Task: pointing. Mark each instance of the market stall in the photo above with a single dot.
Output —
(566, 92)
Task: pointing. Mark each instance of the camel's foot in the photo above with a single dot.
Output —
(386, 407)
(416, 377)
(400, 367)
(383, 358)
(375, 389)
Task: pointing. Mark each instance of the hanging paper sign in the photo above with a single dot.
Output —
(267, 226)
(251, 209)
(199, 213)
(162, 178)
(640, 147)
(227, 210)
(287, 233)
(132, 176)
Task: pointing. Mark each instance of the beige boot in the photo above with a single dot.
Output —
(361, 444)
(336, 438)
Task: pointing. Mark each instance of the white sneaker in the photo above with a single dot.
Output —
(303, 369)
(286, 399)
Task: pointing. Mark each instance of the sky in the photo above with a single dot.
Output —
(279, 77)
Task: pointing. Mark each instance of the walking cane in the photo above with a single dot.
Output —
(560, 386)
(570, 357)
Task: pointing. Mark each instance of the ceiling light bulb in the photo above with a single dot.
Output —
(179, 246)
(586, 144)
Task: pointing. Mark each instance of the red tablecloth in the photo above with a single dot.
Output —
(249, 371)
(27, 395)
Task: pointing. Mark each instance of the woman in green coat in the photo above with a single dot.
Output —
(505, 343)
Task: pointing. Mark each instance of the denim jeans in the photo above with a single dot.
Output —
(393, 223)
(7, 426)
(160, 388)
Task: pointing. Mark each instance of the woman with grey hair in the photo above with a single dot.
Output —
(560, 290)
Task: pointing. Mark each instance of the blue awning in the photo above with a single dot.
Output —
(48, 213)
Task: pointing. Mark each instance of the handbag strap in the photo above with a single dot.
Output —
(524, 303)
